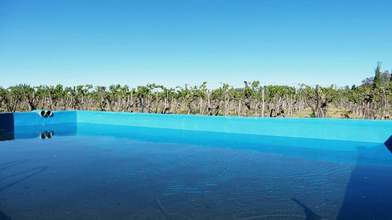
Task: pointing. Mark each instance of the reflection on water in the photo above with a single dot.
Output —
(110, 172)
(47, 134)
(43, 132)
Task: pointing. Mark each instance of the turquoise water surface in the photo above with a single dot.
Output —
(92, 171)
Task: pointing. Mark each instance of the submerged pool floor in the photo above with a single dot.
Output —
(114, 172)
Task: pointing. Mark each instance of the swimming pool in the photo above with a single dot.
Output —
(103, 165)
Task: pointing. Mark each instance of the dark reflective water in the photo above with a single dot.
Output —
(94, 172)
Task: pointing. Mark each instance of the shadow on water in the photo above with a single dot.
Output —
(24, 175)
(369, 190)
(162, 209)
(10, 164)
(27, 172)
(21, 176)
(3, 216)
(309, 214)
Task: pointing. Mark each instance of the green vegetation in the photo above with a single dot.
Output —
(369, 100)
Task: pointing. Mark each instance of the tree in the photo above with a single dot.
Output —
(371, 99)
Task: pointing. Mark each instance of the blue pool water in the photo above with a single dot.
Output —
(105, 171)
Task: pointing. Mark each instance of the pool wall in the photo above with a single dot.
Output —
(31, 124)
(377, 131)
(35, 119)
(335, 129)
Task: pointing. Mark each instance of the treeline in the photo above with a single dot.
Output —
(369, 100)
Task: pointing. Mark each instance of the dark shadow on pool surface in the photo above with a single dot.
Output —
(10, 164)
(27, 174)
(162, 209)
(369, 190)
(24, 172)
(3, 216)
(309, 214)
(21, 176)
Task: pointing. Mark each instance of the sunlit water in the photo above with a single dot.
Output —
(109, 172)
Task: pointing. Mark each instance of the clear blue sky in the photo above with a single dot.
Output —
(173, 42)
